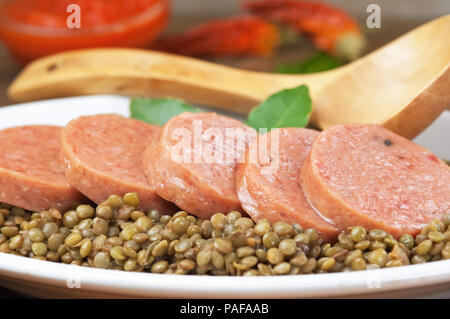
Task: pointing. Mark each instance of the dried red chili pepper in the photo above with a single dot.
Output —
(331, 29)
(238, 36)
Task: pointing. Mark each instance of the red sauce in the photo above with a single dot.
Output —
(34, 28)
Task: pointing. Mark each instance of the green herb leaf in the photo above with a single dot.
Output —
(318, 63)
(158, 111)
(286, 108)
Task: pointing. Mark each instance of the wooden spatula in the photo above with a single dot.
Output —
(404, 86)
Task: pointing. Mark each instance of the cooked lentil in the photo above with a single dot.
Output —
(115, 235)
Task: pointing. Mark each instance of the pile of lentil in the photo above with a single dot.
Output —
(115, 235)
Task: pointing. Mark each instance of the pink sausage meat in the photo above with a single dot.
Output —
(103, 156)
(192, 165)
(367, 175)
(276, 193)
(31, 170)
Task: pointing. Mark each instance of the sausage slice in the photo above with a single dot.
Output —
(194, 163)
(272, 189)
(103, 156)
(367, 175)
(31, 171)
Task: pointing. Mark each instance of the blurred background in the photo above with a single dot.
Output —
(397, 17)
(420, 10)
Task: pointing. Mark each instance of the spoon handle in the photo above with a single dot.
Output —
(145, 73)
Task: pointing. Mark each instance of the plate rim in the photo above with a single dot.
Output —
(145, 284)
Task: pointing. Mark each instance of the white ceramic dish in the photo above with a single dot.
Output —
(47, 279)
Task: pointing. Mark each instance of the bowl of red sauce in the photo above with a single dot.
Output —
(34, 28)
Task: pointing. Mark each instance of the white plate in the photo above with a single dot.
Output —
(47, 279)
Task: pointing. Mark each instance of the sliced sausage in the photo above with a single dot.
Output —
(194, 163)
(31, 170)
(103, 156)
(271, 188)
(367, 175)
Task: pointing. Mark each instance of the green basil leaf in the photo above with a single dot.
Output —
(158, 111)
(286, 108)
(318, 63)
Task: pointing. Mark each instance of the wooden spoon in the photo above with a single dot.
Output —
(404, 86)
